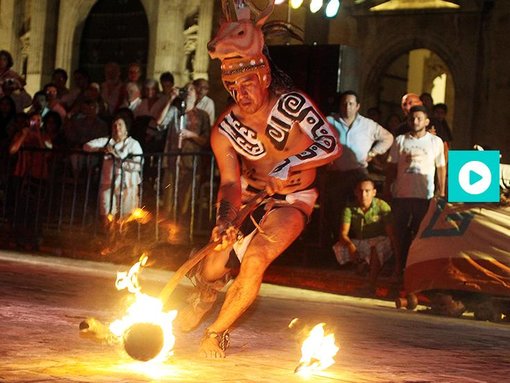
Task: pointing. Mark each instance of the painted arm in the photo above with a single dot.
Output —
(296, 108)
(229, 193)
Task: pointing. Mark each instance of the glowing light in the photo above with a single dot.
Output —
(295, 4)
(316, 5)
(140, 215)
(278, 2)
(144, 309)
(332, 8)
(318, 351)
(393, 5)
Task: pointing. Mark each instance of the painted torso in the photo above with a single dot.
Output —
(264, 144)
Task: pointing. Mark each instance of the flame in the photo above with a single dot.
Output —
(140, 215)
(145, 309)
(318, 351)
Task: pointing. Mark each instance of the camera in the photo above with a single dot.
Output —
(183, 92)
(10, 83)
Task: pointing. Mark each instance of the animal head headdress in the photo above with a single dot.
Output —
(239, 42)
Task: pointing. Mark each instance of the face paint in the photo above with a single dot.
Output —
(234, 70)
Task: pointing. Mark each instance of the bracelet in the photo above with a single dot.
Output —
(223, 338)
(227, 212)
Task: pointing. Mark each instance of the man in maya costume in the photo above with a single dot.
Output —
(272, 138)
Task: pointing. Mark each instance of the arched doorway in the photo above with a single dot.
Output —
(115, 30)
(417, 71)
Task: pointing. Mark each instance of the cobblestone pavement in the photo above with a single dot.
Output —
(43, 300)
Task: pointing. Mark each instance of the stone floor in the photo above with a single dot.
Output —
(43, 300)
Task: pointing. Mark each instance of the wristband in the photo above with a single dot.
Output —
(227, 212)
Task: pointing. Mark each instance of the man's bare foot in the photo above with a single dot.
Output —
(213, 345)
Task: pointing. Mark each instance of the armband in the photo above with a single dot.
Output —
(226, 212)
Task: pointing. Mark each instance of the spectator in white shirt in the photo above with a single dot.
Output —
(362, 139)
(415, 159)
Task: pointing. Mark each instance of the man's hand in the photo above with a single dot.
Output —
(226, 233)
(187, 134)
(353, 252)
(275, 185)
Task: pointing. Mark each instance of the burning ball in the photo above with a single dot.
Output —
(143, 341)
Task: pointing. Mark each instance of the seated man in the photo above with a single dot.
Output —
(366, 232)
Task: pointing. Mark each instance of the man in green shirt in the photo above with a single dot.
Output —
(366, 232)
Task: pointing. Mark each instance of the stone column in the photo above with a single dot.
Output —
(166, 46)
(33, 45)
(205, 17)
(72, 15)
(7, 22)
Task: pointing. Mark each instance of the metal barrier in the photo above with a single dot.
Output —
(59, 190)
(54, 195)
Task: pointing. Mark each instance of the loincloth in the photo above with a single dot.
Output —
(303, 200)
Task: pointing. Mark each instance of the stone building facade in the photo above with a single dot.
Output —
(472, 41)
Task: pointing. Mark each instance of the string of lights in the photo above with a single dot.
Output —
(330, 10)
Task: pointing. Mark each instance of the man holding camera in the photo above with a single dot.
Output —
(187, 130)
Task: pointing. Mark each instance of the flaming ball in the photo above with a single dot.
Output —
(143, 341)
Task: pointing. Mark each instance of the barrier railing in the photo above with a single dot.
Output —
(43, 192)
(60, 190)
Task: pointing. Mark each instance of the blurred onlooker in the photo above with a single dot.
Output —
(167, 83)
(39, 103)
(59, 78)
(442, 129)
(6, 73)
(14, 89)
(29, 178)
(7, 114)
(366, 232)
(85, 126)
(408, 101)
(133, 97)
(53, 126)
(374, 113)
(152, 103)
(134, 74)
(204, 102)
(81, 128)
(93, 92)
(120, 175)
(51, 92)
(112, 89)
(427, 101)
(392, 123)
(73, 99)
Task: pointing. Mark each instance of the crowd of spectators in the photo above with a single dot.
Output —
(405, 162)
(402, 157)
(121, 118)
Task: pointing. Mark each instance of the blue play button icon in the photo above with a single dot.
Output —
(474, 177)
